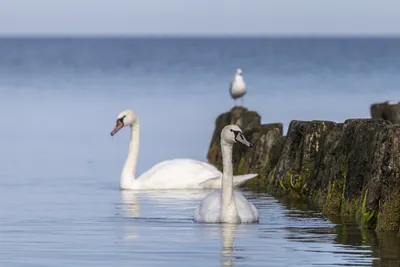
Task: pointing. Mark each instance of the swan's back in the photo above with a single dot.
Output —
(178, 173)
(209, 210)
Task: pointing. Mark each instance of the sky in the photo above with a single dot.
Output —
(200, 17)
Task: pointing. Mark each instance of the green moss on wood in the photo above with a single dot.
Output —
(348, 206)
(368, 218)
(271, 177)
(344, 176)
(282, 185)
(334, 199)
(267, 163)
(241, 166)
(388, 218)
(298, 183)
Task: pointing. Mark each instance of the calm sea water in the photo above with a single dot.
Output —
(59, 199)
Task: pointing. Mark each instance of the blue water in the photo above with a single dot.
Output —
(59, 175)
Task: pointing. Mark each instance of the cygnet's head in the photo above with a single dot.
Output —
(232, 134)
(239, 72)
(124, 118)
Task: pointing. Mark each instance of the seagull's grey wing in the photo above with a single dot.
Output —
(230, 87)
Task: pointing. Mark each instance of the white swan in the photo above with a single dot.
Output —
(170, 174)
(227, 206)
(238, 87)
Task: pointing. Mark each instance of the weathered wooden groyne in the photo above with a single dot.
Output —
(350, 168)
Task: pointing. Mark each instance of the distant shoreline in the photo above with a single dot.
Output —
(204, 37)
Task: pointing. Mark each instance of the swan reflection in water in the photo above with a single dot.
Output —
(138, 205)
(133, 200)
(157, 205)
(228, 234)
(130, 203)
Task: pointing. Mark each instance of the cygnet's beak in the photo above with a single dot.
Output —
(241, 139)
(117, 127)
(247, 143)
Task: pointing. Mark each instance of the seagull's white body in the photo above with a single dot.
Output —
(238, 86)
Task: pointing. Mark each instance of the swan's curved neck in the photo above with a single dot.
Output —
(128, 172)
(229, 213)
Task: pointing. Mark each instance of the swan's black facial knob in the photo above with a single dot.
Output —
(239, 137)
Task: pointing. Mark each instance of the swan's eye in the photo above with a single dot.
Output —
(121, 120)
(236, 133)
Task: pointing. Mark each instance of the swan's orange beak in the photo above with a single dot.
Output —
(117, 127)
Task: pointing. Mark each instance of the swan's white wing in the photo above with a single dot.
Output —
(209, 209)
(248, 213)
(178, 174)
(238, 180)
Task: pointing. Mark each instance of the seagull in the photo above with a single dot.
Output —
(238, 87)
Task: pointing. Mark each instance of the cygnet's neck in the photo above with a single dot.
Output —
(229, 213)
(128, 173)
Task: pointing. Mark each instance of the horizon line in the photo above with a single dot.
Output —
(198, 36)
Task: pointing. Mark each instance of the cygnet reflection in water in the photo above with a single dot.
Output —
(228, 233)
